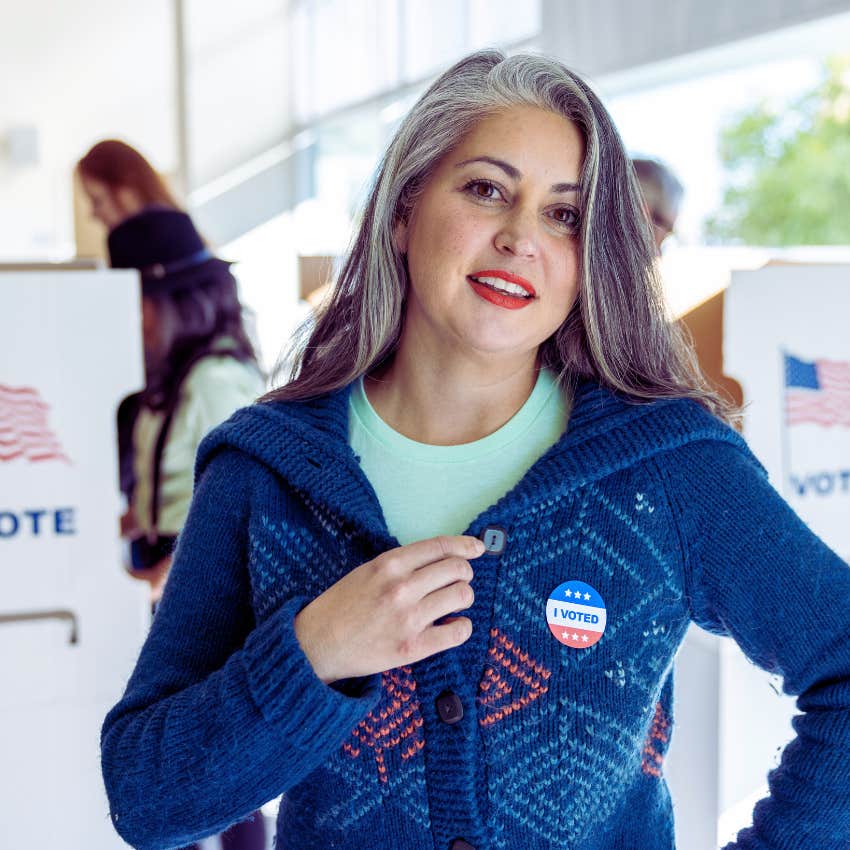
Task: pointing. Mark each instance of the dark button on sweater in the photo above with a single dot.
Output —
(494, 539)
(449, 707)
(460, 844)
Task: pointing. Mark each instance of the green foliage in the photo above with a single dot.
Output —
(789, 171)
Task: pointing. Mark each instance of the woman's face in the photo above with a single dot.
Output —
(108, 205)
(492, 241)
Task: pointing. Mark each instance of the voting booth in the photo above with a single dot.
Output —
(785, 344)
(786, 341)
(71, 620)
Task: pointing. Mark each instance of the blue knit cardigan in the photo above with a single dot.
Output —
(659, 507)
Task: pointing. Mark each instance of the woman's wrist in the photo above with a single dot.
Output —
(311, 645)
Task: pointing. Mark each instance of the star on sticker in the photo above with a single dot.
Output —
(587, 596)
(575, 636)
(565, 635)
(584, 638)
(568, 593)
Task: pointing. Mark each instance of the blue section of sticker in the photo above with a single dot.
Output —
(578, 592)
(576, 615)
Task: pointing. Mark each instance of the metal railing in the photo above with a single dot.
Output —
(56, 614)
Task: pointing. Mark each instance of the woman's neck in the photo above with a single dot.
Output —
(448, 401)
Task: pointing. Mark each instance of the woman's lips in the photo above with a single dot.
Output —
(508, 277)
(502, 288)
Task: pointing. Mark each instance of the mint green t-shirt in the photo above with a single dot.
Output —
(427, 490)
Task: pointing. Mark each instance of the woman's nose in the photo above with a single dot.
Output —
(518, 235)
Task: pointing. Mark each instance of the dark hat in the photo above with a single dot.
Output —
(163, 244)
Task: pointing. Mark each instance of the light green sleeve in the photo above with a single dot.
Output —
(213, 390)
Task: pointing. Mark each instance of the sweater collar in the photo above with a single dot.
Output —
(306, 443)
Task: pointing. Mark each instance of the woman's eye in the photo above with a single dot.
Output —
(566, 217)
(483, 190)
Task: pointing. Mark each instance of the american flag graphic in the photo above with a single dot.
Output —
(24, 432)
(817, 392)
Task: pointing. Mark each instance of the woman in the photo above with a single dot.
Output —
(120, 182)
(493, 392)
(200, 367)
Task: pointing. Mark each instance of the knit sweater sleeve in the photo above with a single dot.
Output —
(220, 715)
(758, 574)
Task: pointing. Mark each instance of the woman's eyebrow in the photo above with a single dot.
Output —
(516, 174)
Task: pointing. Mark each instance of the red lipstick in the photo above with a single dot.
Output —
(492, 292)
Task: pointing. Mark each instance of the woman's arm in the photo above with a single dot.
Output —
(219, 715)
(758, 574)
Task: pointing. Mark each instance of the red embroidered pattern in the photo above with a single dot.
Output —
(513, 680)
(653, 754)
(396, 722)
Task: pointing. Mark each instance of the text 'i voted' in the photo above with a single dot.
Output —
(576, 614)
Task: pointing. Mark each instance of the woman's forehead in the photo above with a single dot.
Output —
(527, 139)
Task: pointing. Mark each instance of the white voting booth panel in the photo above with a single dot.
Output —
(793, 369)
(785, 327)
(71, 622)
(787, 343)
(692, 764)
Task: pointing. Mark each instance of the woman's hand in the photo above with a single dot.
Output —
(129, 525)
(382, 614)
(155, 576)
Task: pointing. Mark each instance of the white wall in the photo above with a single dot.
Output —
(238, 83)
(84, 70)
(78, 71)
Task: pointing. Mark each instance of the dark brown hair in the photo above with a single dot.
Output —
(192, 321)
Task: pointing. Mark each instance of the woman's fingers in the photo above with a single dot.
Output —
(384, 610)
(424, 552)
(446, 601)
(452, 632)
(427, 579)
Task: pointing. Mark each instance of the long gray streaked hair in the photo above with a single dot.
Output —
(617, 332)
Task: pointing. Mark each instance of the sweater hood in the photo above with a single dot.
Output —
(306, 443)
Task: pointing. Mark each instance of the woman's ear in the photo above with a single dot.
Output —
(400, 236)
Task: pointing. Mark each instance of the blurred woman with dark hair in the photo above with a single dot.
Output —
(200, 367)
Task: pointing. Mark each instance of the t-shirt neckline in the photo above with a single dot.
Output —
(399, 445)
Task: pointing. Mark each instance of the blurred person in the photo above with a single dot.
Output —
(431, 589)
(662, 193)
(120, 182)
(200, 367)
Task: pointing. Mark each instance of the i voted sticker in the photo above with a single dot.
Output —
(576, 614)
